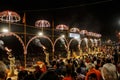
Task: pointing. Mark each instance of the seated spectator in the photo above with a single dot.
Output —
(3, 71)
(83, 67)
(22, 74)
(79, 75)
(30, 76)
(37, 72)
(92, 76)
(8, 79)
(109, 72)
(91, 70)
(98, 65)
(49, 75)
(68, 76)
(118, 69)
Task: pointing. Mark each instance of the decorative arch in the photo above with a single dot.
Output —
(90, 43)
(71, 41)
(13, 34)
(83, 40)
(84, 44)
(66, 46)
(74, 54)
(58, 39)
(38, 37)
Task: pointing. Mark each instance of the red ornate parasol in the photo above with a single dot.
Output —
(74, 30)
(62, 27)
(42, 23)
(9, 16)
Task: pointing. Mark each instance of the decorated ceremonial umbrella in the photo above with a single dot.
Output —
(62, 27)
(9, 16)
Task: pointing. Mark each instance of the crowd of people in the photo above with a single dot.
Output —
(100, 66)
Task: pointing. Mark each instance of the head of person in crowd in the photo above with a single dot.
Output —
(109, 72)
(115, 56)
(98, 65)
(108, 60)
(3, 71)
(30, 76)
(22, 75)
(82, 64)
(92, 70)
(37, 72)
(49, 75)
(90, 66)
(92, 76)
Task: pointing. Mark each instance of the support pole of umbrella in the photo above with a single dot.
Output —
(9, 27)
(9, 17)
(53, 37)
(24, 22)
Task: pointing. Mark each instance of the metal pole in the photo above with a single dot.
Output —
(9, 26)
(53, 36)
(24, 21)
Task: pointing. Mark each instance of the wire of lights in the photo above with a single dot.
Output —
(66, 7)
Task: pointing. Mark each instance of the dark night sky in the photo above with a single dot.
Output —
(100, 16)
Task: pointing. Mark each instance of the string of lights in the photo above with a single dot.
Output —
(71, 6)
